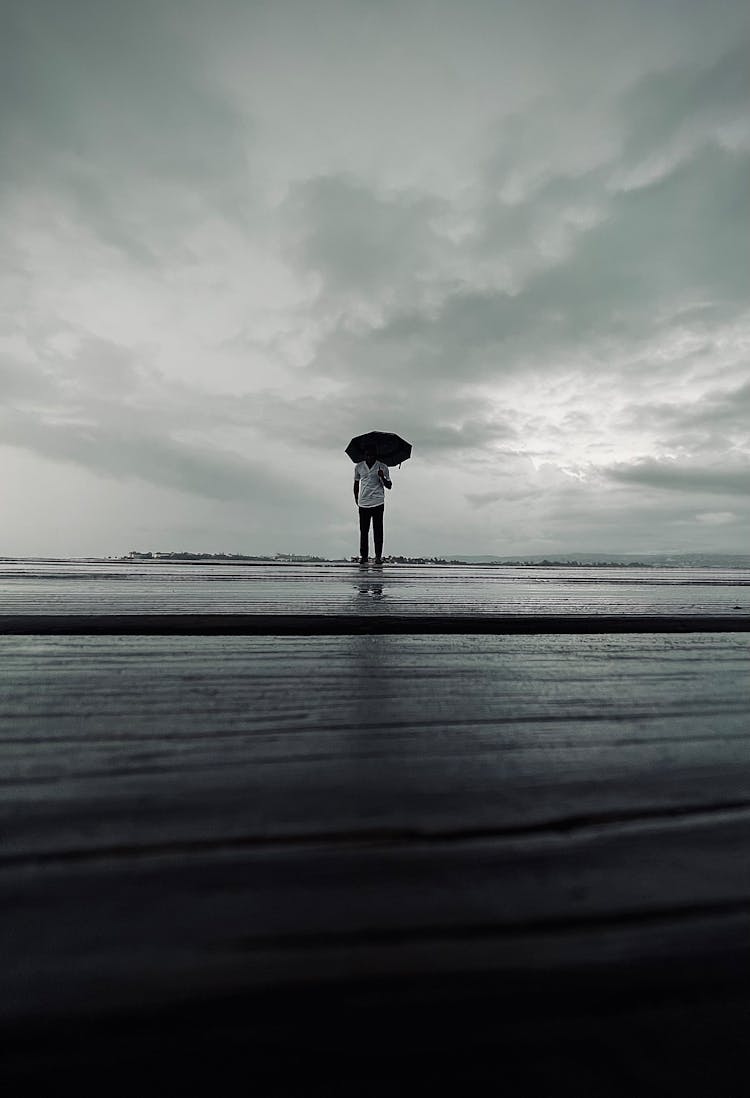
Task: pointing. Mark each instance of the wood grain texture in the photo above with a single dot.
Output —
(117, 588)
(247, 851)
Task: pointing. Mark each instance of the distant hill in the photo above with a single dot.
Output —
(656, 560)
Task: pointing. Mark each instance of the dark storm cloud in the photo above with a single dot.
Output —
(359, 241)
(474, 433)
(686, 101)
(504, 496)
(125, 452)
(440, 422)
(646, 250)
(104, 105)
(657, 248)
(149, 107)
(90, 410)
(97, 372)
(659, 238)
(19, 382)
(670, 475)
(660, 522)
(724, 410)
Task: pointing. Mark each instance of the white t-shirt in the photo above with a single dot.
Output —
(371, 491)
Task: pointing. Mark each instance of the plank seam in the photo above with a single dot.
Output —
(354, 625)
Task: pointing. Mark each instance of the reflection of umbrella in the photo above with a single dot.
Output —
(390, 448)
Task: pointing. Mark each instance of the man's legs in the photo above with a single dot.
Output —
(377, 530)
(365, 514)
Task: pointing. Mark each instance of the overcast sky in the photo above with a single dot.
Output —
(234, 234)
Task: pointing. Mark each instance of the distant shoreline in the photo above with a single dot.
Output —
(688, 561)
(438, 563)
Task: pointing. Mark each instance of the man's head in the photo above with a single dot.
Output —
(371, 452)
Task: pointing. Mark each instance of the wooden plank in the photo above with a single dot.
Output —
(125, 929)
(120, 742)
(98, 587)
(215, 821)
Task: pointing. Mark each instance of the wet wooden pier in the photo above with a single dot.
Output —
(429, 851)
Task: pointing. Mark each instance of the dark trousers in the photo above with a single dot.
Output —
(376, 514)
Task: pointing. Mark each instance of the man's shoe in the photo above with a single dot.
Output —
(379, 560)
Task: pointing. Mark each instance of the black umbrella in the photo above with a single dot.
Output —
(391, 449)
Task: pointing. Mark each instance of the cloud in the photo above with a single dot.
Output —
(107, 110)
(716, 518)
(654, 252)
(578, 272)
(446, 424)
(237, 236)
(89, 445)
(713, 418)
(674, 477)
(361, 243)
(99, 408)
(504, 496)
(675, 111)
(127, 452)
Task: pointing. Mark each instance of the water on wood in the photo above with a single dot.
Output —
(245, 844)
(114, 587)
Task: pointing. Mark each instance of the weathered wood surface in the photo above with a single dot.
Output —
(286, 751)
(156, 588)
(231, 842)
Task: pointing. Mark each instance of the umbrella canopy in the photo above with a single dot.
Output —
(391, 449)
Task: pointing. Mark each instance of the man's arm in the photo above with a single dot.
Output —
(356, 491)
(385, 479)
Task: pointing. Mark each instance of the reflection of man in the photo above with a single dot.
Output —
(370, 478)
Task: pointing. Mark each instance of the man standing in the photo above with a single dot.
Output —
(370, 478)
